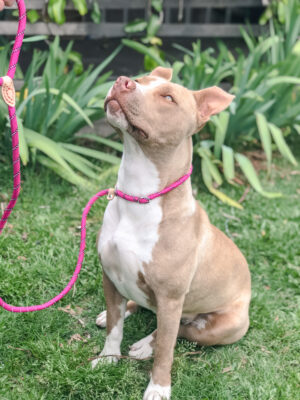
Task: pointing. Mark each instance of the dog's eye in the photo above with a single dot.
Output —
(169, 98)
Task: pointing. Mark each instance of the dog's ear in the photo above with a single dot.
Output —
(211, 101)
(161, 72)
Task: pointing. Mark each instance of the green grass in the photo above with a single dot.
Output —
(38, 252)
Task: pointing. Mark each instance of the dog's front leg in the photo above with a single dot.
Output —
(168, 319)
(116, 306)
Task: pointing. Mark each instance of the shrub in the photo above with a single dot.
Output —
(53, 104)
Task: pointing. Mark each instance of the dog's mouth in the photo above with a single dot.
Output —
(132, 129)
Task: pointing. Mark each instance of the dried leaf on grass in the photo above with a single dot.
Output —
(227, 369)
(73, 312)
(247, 190)
(25, 236)
(77, 338)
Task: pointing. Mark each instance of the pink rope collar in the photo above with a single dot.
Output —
(9, 98)
(147, 199)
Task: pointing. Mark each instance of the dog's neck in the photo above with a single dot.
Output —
(144, 171)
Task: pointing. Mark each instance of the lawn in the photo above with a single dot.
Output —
(44, 355)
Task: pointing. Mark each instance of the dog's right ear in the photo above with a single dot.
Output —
(161, 72)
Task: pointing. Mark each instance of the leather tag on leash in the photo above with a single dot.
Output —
(8, 91)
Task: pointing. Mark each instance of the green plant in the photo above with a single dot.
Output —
(201, 69)
(53, 106)
(150, 27)
(56, 9)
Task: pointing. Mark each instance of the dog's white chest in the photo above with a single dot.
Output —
(126, 243)
(130, 230)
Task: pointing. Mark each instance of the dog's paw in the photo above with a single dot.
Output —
(143, 348)
(153, 396)
(103, 358)
(157, 392)
(101, 319)
(108, 355)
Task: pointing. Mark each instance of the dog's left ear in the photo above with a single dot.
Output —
(161, 72)
(211, 101)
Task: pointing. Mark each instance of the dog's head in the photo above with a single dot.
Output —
(156, 111)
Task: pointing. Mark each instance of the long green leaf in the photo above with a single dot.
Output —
(107, 142)
(78, 162)
(283, 79)
(206, 175)
(140, 48)
(56, 92)
(249, 171)
(281, 144)
(221, 130)
(207, 179)
(80, 6)
(59, 170)
(228, 163)
(56, 10)
(47, 146)
(205, 153)
(24, 153)
(32, 39)
(247, 39)
(265, 137)
(225, 199)
(99, 155)
(87, 83)
(138, 25)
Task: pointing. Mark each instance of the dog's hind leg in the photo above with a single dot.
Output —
(131, 308)
(217, 328)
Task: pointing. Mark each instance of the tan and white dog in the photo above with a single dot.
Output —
(165, 255)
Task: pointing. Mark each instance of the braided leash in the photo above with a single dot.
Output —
(8, 93)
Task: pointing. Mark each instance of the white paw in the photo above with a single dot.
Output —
(143, 348)
(109, 359)
(157, 392)
(101, 319)
(153, 396)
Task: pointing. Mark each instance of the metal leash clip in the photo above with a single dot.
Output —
(111, 194)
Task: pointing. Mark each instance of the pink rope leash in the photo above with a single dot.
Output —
(12, 111)
(9, 98)
(69, 286)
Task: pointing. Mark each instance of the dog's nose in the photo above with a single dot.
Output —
(124, 84)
